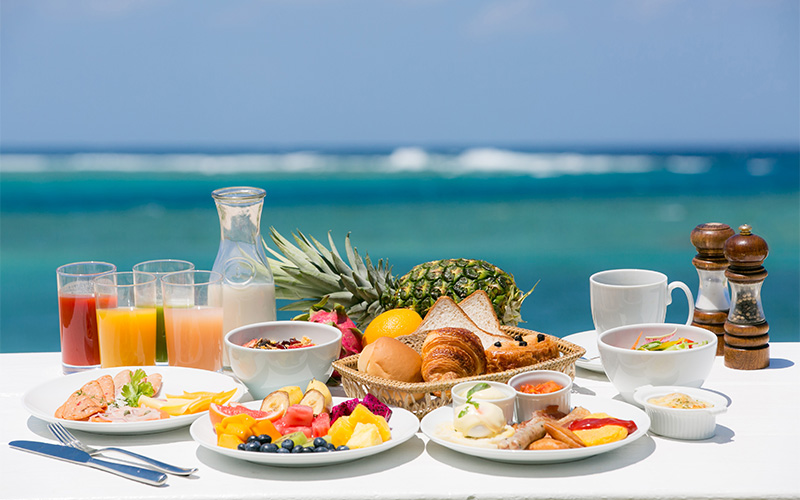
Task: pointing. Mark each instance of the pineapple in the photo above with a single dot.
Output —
(309, 271)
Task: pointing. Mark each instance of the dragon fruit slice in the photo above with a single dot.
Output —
(351, 335)
(376, 406)
(343, 409)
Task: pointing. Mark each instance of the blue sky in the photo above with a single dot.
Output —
(547, 74)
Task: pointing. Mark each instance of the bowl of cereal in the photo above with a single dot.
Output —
(274, 354)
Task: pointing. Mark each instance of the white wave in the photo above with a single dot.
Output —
(402, 160)
(688, 164)
(758, 167)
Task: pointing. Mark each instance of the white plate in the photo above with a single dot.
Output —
(402, 422)
(587, 340)
(616, 409)
(43, 400)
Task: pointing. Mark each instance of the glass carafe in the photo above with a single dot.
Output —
(248, 291)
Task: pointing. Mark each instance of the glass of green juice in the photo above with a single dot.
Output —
(159, 268)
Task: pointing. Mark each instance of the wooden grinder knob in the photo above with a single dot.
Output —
(746, 338)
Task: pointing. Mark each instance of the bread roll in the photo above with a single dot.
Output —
(389, 358)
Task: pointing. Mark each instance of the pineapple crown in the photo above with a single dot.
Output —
(308, 271)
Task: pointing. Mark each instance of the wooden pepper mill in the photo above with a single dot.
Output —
(713, 299)
(746, 338)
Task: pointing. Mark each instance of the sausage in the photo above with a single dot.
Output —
(547, 443)
(576, 414)
(564, 435)
(531, 431)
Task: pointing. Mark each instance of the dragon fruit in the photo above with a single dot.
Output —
(372, 403)
(351, 336)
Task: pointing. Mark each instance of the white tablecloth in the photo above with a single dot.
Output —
(755, 454)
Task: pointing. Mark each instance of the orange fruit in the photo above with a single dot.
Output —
(392, 323)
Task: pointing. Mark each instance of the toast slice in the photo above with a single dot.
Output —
(479, 308)
(445, 313)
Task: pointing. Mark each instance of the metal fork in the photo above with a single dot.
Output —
(62, 434)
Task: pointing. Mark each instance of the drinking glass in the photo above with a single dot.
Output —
(80, 347)
(126, 318)
(159, 268)
(193, 318)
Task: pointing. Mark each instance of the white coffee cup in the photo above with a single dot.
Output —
(622, 297)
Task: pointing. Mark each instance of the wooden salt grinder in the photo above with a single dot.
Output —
(713, 300)
(746, 338)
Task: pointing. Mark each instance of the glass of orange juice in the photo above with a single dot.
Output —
(126, 318)
(193, 318)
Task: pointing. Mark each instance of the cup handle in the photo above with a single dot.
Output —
(679, 284)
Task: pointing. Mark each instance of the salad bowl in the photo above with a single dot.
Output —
(678, 355)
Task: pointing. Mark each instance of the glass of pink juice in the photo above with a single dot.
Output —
(126, 318)
(80, 346)
(193, 318)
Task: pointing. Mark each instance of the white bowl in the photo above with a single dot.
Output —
(630, 369)
(505, 399)
(526, 403)
(267, 370)
(681, 423)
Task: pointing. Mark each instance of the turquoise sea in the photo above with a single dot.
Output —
(548, 217)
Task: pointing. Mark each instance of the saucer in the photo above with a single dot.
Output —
(587, 340)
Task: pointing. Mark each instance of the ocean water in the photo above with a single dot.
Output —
(547, 218)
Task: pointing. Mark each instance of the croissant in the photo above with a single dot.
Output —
(450, 353)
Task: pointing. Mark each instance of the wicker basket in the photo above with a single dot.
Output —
(424, 397)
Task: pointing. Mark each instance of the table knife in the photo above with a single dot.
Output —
(76, 456)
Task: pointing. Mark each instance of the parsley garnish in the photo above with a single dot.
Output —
(475, 388)
(136, 387)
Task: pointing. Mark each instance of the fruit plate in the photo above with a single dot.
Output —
(402, 423)
(43, 400)
(433, 422)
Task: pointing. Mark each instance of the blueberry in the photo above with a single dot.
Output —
(252, 446)
(330, 446)
(241, 447)
(265, 438)
(252, 438)
(288, 444)
(343, 447)
(320, 442)
(320, 449)
(283, 450)
(298, 449)
(268, 448)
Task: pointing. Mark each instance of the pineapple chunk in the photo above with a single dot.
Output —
(364, 436)
(363, 415)
(341, 430)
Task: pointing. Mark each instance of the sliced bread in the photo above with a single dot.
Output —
(446, 313)
(478, 306)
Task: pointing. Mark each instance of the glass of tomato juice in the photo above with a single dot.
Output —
(80, 347)
(160, 268)
(126, 318)
(193, 318)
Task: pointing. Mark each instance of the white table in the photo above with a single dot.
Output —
(753, 455)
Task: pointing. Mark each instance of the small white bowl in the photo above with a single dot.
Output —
(498, 393)
(528, 403)
(630, 369)
(679, 423)
(267, 370)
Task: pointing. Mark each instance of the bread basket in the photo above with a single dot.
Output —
(424, 397)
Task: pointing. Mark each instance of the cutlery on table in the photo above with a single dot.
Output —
(590, 358)
(74, 455)
(68, 439)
